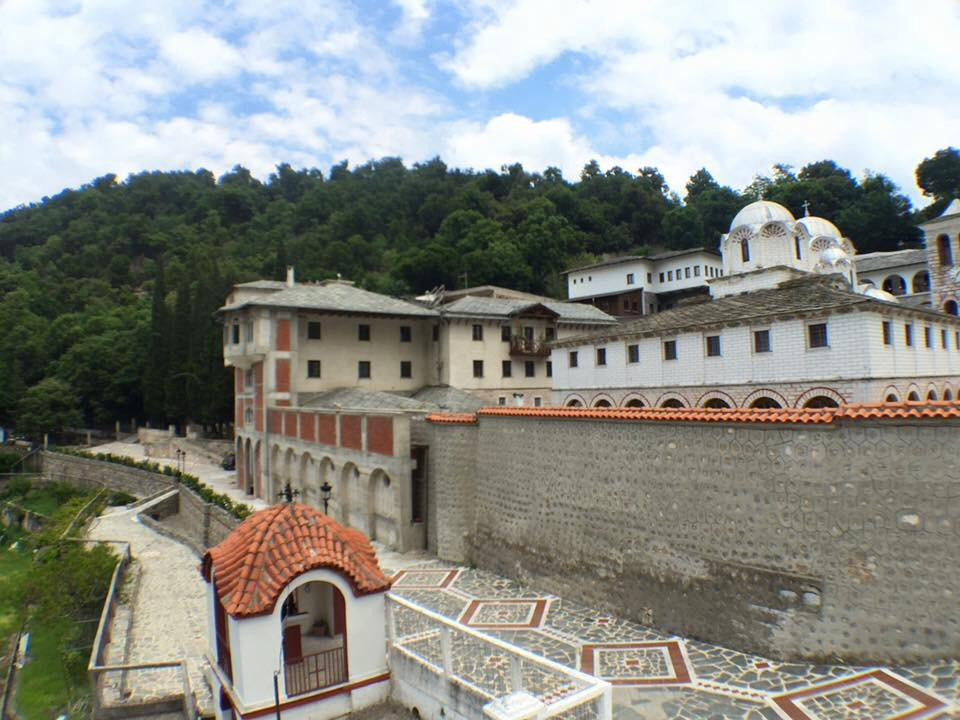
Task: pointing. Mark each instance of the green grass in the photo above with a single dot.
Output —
(38, 501)
(42, 690)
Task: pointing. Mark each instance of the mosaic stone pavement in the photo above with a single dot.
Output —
(656, 676)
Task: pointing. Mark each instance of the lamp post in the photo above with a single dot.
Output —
(325, 494)
(288, 493)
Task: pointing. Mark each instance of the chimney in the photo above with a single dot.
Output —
(290, 281)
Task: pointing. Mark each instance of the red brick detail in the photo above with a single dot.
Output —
(308, 431)
(350, 433)
(290, 424)
(283, 334)
(283, 375)
(272, 547)
(275, 421)
(452, 418)
(327, 429)
(238, 381)
(380, 435)
(258, 396)
(238, 417)
(681, 673)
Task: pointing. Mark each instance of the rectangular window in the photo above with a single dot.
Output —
(537, 401)
(528, 332)
(927, 336)
(649, 278)
(502, 400)
(235, 333)
(943, 339)
(669, 274)
(686, 273)
(314, 331)
(478, 332)
(478, 368)
(248, 376)
(661, 277)
(696, 271)
(670, 350)
(629, 278)
(601, 356)
(956, 339)
(549, 368)
(633, 353)
(406, 369)
(529, 368)
(505, 333)
(406, 333)
(887, 333)
(363, 369)
(817, 335)
(574, 359)
(313, 368)
(507, 368)
(249, 331)
(908, 334)
(436, 333)
(363, 333)
(713, 346)
(761, 341)
(551, 334)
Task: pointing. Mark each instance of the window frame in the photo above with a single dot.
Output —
(406, 333)
(769, 342)
(363, 332)
(314, 325)
(573, 358)
(506, 368)
(364, 370)
(601, 357)
(477, 332)
(478, 368)
(633, 353)
(408, 366)
(529, 368)
(810, 336)
(311, 364)
(711, 344)
(670, 350)
(506, 333)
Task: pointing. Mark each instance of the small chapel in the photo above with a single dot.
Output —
(295, 617)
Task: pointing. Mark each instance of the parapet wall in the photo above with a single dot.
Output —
(96, 474)
(834, 539)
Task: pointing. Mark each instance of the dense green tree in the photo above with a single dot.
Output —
(49, 406)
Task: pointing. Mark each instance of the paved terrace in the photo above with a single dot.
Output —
(657, 676)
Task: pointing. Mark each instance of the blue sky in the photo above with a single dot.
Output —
(98, 86)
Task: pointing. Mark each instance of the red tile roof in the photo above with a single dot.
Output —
(274, 546)
(453, 418)
(893, 411)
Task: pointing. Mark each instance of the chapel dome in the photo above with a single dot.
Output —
(271, 548)
(819, 227)
(760, 213)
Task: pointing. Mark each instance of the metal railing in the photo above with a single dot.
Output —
(315, 671)
(489, 669)
(522, 345)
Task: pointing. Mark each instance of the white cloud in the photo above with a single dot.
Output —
(200, 56)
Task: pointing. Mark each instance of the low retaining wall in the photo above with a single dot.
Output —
(96, 474)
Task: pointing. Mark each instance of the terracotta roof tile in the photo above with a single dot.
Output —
(947, 410)
(453, 418)
(274, 546)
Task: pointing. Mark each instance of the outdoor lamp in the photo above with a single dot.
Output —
(325, 494)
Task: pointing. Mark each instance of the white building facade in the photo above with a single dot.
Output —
(785, 328)
(942, 235)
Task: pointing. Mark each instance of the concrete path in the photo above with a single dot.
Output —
(167, 599)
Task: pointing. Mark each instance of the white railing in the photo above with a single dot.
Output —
(498, 674)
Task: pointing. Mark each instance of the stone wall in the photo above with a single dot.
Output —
(96, 474)
(186, 517)
(795, 541)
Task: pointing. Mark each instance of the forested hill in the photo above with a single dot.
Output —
(107, 292)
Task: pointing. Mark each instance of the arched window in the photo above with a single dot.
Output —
(716, 403)
(913, 397)
(895, 285)
(602, 403)
(796, 247)
(767, 403)
(948, 394)
(574, 403)
(745, 250)
(950, 307)
(891, 398)
(932, 395)
(634, 403)
(671, 403)
(921, 282)
(821, 401)
(944, 251)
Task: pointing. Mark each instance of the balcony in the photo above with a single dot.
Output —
(528, 346)
(316, 671)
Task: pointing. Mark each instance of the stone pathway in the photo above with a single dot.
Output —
(660, 677)
(167, 600)
(223, 481)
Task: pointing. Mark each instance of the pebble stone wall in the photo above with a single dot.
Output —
(793, 541)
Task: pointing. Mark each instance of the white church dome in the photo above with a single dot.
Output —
(819, 227)
(760, 213)
(832, 255)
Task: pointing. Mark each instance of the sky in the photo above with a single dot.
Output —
(94, 87)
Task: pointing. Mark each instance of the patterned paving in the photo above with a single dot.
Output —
(656, 676)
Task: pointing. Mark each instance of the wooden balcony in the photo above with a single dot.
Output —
(530, 347)
(316, 671)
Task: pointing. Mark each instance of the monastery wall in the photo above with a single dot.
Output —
(796, 541)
